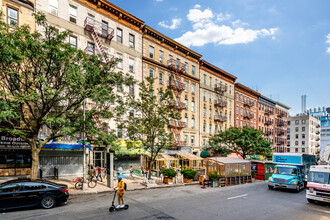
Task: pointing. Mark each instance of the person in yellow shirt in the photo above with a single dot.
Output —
(120, 192)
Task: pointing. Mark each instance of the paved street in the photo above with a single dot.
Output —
(251, 201)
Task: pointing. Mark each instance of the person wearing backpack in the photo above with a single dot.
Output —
(121, 188)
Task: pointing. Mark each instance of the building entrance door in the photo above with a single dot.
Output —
(98, 158)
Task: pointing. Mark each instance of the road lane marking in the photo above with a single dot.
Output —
(235, 197)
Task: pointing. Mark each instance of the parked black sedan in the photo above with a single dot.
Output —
(25, 193)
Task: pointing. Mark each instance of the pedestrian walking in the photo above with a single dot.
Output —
(147, 173)
(131, 173)
(119, 172)
(99, 173)
(142, 173)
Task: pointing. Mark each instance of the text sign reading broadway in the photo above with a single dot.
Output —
(8, 141)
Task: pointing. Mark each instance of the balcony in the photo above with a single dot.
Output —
(268, 112)
(220, 104)
(220, 118)
(280, 143)
(317, 145)
(248, 116)
(179, 86)
(92, 51)
(176, 67)
(280, 123)
(267, 123)
(317, 139)
(317, 126)
(280, 133)
(248, 103)
(318, 132)
(281, 115)
(220, 89)
(177, 124)
(179, 105)
(101, 29)
(269, 133)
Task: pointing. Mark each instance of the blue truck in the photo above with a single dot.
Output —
(291, 170)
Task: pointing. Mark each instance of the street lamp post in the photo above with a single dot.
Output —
(85, 187)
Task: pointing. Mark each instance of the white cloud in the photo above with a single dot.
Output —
(159, 0)
(206, 30)
(197, 6)
(175, 24)
(328, 42)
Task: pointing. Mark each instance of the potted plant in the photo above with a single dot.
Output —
(169, 174)
(214, 178)
(253, 174)
(188, 175)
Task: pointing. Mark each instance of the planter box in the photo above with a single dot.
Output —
(186, 180)
(167, 180)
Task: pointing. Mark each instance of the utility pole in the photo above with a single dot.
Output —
(85, 187)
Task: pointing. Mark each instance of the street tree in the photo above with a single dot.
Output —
(44, 82)
(244, 141)
(148, 119)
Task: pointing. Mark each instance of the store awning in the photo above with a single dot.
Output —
(190, 157)
(164, 157)
(66, 143)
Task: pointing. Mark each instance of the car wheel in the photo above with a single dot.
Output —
(270, 187)
(48, 202)
(311, 200)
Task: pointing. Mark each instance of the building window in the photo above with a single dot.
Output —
(178, 63)
(204, 112)
(185, 86)
(193, 106)
(296, 143)
(204, 96)
(216, 129)
(297, 129)
(186, 122)
(193, 70)
(161, 80)
(229, 104)
(131, 41)
(289, 122)
(297, 122)
(119, 35)
(193, 88)
(229, 117)
(53, 6)
(237, 122)
(186, 67)
(230, 89)
(192, 123)
(241, 111)
(297, 136)
(90, 48)
(186, 140)
(210, 113)
(73, 41)
(192, 140)
(131, 89)
(302, 135)
(288, 130)
(73, 14)
(204, 128)
(204, 78)
(151, 52)
(119, 60)
(161, 56)
(303, 129)
(186, 104)
(131, 63)
(210, 81)
(296, 149)
(288, 150)
(105, 28)
(12, 16)
(237, 109)
(303, 149)
(303, 143)
(151, 73)
(210, 97)
(170, 58)
(210, 129)
(303, 122)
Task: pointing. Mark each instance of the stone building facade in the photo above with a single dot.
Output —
(266, 118)
(176, 67)
(303, 135)
(217, 101)
(246, 106)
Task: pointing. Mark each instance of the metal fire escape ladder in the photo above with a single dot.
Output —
(100, 46)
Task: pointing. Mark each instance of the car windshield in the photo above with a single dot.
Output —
(285, 171)
(319, 177)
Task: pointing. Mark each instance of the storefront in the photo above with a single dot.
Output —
(15, 156)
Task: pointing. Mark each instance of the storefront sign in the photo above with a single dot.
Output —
(8, 141)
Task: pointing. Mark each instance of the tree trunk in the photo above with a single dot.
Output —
(35, 163)
(150, 165)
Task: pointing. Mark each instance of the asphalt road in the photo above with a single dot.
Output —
(250, 201)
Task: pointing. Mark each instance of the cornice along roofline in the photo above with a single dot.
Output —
(208, 65)
(246, 89)
(170, 42)
(116, 11)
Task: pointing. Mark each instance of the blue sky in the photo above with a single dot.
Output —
(281, 48)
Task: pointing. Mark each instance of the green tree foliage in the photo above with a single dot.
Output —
(43, 82)
(244, 141)
(148, 118)
(189, 173)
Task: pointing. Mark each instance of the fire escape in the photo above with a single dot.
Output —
(99, 30)
(177, 87)
(220, 103)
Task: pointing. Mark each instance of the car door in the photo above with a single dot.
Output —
(32, 192)
(10, 196)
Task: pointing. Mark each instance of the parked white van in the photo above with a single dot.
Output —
(318, 185)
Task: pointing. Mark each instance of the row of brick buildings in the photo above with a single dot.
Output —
(209, 98)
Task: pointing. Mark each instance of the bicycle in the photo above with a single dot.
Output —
(79, 181)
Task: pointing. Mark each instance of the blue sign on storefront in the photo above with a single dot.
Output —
(285, 159)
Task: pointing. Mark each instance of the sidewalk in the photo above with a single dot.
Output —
(101, 187)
